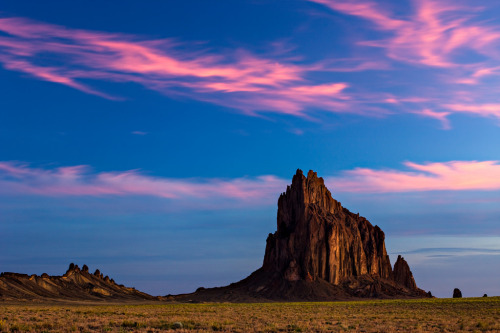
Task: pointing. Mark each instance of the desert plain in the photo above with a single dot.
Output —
(413, 315)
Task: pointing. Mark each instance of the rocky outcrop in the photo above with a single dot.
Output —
(319, 239)
(457, 293)
(75, 284)
(320, 251)
(403, 275)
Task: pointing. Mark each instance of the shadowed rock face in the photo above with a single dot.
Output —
(318, 238)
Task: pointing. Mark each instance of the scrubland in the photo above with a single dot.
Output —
(426, 315)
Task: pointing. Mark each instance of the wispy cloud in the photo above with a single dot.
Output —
(484, 110)
(441, 116)
(234, 78)
(455, 43)
(432, 35)
(478, 73)
(21, 179)
(139, 133)
(443, 176)
(448, 251)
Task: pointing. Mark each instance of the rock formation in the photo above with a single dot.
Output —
(318, 238)
(403, 275)
(75, 284)
(321, 251)
(457, 293)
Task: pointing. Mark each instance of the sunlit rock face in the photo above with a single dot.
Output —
(318, 238)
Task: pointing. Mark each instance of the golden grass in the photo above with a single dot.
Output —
(428, 315)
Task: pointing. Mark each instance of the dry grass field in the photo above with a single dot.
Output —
(429, 315)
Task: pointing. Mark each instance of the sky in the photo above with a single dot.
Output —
(152, 140)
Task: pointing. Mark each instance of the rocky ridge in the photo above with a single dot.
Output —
(75, 284)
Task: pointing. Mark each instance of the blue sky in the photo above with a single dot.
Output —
(152, 141)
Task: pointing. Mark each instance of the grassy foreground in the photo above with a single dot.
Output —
(429, 315)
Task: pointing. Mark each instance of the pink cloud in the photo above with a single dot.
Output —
(354, 64)
(51, 74)
(445, 176)
(16, 178)
(21, 179)
(432, 35)
(483, 110)
(481, 71)
(443, 34)
(236, 78)
(365, 9)
(441, 116)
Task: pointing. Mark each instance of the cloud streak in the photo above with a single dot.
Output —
(236, 78)
(455, 43)
(484, 110)
(21, 179)
(432, 35)
(453, 251)
(441, 116)
(443, 176)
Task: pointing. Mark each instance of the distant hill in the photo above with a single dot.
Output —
(75, 284)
